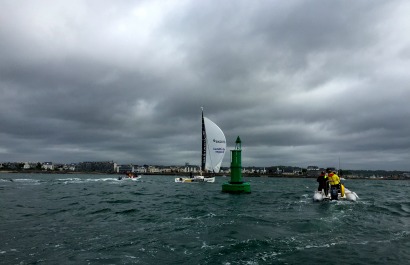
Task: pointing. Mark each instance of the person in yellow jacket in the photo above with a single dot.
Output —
(334, 182)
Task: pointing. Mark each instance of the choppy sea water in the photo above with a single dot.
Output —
(98, 219)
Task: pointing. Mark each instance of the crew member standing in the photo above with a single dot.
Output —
(323, 185)
(334, 182)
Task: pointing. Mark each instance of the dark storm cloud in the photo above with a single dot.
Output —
(302, 82)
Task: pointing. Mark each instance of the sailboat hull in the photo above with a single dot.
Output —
(195, 179)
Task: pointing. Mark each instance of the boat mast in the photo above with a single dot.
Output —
(339, 171)
(203, 159)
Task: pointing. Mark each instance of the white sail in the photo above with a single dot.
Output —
(215, 146)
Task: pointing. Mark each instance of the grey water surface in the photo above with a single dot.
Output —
(98, 219)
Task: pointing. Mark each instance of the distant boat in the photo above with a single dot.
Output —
(130, 175)
(213, 151)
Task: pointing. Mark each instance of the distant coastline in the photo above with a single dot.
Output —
(246, 175)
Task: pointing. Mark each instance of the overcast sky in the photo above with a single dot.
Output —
(301, 82)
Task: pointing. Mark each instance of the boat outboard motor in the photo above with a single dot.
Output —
(333, 193)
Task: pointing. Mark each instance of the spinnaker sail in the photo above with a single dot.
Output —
(215, 146)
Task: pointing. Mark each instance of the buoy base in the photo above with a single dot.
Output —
(244, 187)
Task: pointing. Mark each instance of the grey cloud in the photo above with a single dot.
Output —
(302, 83)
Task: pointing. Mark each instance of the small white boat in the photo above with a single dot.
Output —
(135, 177)
(195, 179)
(348, 196)
(130, 177)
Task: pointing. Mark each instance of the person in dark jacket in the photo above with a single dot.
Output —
(323, 184)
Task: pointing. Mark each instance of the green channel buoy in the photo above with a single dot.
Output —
(236, 185)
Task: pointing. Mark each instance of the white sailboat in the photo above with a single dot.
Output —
(213, 151)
